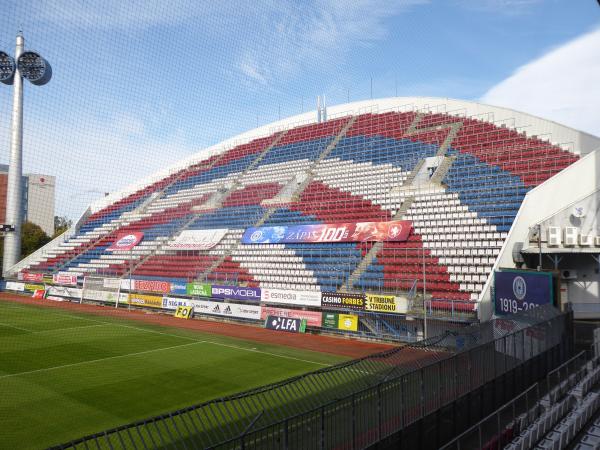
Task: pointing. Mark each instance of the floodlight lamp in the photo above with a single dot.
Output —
(34, 68)
(7, 68)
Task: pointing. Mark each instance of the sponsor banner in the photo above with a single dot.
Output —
(313, 318)
(64, 291)
(55, 298)
(111, 283)
(15, 286)
(330, 320)
(235, 292)
(65, 278)
(197, 239)
(39, 293)
(198, 289)
(396, 230)
(178, 288)
(101, 296)
(348, 322)
(164, 287)
(126, 242)
(520, 290)
(184, 312)
(383, 303)
(34, 287)
(147, 301)
(302, 298)
(174, 303)
(26, 276)
(226, 309)
(285, 324)
(343, 300)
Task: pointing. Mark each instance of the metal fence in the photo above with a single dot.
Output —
(354, 404)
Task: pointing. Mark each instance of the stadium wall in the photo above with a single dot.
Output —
(577, 181)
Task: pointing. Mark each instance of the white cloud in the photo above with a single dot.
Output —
(289, 37)
(563, 85)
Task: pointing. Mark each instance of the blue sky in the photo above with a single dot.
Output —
(140, 84)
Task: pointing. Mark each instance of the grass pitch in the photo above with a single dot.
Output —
(64, 375)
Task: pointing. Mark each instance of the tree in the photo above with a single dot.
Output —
(32, 238)
(61, 224)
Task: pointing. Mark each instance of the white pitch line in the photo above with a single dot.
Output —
(188, 338)
(2, 324)
(91, 361)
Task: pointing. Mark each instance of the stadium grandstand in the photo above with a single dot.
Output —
(460, 173)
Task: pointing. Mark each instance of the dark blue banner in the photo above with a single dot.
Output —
(236, 292)
(521, 290)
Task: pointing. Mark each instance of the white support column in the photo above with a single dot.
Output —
(14, 196)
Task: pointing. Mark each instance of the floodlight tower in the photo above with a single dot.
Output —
(33, 67)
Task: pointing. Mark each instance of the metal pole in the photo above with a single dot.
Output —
(130, 281)
(539, 227)
(424, 300)
(14, 195)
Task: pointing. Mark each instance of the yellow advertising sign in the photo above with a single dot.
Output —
(184, 312)
(33, 287)
(381, 303)
(348, 322)
(147, 301)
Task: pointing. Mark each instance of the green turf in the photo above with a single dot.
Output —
(64, 375)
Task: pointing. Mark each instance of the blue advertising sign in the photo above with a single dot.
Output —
(178, 287)
(520, 290)
(236, 292)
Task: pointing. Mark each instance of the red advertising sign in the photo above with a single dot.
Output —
(39, 293)
(313, 318)
(126, 241)
(26, 276)
(396, 230)
(152, 286)
(65, 278)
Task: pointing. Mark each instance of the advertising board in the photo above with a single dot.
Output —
(396, 230)
(198, 289)
(145, 300)
(288, 297)
(313, 318)
(285, 324)
(343, 300)
(63, 291)
(163, 287)
(348, 322)
(226, 309)
(383, 303)
(65, 278)
(235, 292)
(15, 286)
(174, 303)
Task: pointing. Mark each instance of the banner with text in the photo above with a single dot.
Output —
(343, 300)
(313, 318)
(285, 324)
(26, 276)
(198, 289)
(520, 290)
(65, 278)
(348, 322)
(146, 301)
(15, 286)
(163, 287)
(174, 303)
(235, 292)
(226, 309)
(285, 297)
(384, 303)
(63, 291)
(397, 231)
(197, 239)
